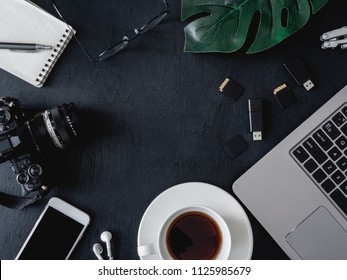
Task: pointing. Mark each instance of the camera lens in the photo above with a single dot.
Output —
(55, 128)
(5, 116)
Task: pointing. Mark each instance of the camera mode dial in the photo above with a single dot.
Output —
(28, 174)
(35, 170)
(23, 178)
(5, 116)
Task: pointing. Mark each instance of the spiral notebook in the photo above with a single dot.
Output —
(22, 21)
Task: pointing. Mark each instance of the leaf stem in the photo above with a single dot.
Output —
(223, 18)
(232, 11)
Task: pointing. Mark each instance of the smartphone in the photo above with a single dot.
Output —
(56, 232)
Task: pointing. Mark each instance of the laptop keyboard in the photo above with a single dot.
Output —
(323, 155)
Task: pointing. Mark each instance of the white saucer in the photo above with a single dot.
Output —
(203, 194)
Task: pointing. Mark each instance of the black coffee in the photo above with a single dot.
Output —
(193, 236)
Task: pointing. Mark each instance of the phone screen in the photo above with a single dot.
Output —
(53, 238)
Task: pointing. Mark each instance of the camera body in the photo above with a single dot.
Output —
(23, 141)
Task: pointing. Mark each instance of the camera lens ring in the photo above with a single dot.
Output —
(55, 128)
(70, 111)
(56, 117)
(51, 130)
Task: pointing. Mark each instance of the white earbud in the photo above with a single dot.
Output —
(106, 236)
(97, 249)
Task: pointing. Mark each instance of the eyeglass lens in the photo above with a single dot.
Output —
(113, 50)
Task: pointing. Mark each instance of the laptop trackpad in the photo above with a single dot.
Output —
(319, 236)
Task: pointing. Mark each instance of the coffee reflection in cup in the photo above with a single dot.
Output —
(194, 236)
(191, 233)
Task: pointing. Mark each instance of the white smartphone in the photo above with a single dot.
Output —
(56, 232)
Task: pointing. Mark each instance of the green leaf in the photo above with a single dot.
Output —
(223, 24)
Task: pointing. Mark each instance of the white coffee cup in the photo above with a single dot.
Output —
(160, 247)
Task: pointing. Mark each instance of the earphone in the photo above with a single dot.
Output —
(97, 249)
(106, 236)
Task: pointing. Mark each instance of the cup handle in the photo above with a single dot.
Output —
(147, 250)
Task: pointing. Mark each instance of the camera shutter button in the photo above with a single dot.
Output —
(35, 170)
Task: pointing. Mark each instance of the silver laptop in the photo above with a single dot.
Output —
(298, 191)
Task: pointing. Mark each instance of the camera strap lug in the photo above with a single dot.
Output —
(18, 202)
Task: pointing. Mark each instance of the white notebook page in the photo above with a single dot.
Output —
(24, 22)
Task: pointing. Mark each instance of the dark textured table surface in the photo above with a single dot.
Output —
(153, 117)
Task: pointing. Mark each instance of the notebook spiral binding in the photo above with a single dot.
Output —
(54, 56)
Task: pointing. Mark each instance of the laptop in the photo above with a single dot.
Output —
(298, 191)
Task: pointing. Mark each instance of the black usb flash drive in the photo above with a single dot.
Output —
(255, 109)
(299, 72)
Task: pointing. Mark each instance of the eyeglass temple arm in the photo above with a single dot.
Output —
(78, 41)
(167, 5)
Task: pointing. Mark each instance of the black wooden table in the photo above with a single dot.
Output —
(153, 117)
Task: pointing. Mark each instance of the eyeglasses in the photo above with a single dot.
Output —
(124, 43)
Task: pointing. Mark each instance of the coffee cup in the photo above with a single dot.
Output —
(191, 233)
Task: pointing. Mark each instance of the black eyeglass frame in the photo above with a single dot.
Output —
(122, 44)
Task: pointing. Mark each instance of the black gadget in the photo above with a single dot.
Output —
(231, 89)
(300, 73)
(284, 96)
(235, 146)
(23, 141)
(255, 111)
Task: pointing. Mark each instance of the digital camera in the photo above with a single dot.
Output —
(23, 141)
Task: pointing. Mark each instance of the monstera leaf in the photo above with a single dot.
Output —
(222, 25)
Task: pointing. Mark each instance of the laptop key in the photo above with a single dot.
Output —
(342, 163)
(338, 177)
(339, 119)
(301, 154)
(319, 175)
(315, 151)
(331, 130)
(334, 154)
(342, 142)
(344, 110)
(344, 129)
(328, 185)
(343, 187)
(340, 200)
(310, 165)
(323, 140)
(329, 167)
